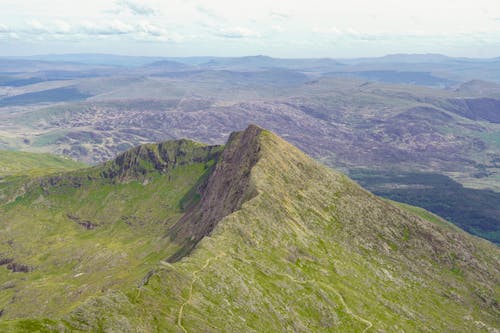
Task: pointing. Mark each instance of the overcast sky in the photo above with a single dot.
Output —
(312, 28)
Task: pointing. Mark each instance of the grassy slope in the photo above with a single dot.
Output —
(474, 210)
(15, 163)
(311, 252)
(130, 211)
(372, 264)
(18, 168)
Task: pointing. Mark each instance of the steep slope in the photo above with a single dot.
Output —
(284, 243)
(227, 188)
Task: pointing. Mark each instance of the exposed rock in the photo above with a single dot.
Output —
(21, 268)
(84, 223)
(225, 191)
(158, 157)
(5, 261)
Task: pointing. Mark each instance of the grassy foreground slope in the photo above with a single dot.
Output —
(296, 247)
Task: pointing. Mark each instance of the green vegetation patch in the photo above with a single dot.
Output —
(15, 163)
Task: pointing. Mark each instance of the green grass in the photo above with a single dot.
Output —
(311, 252)
(15, 163)
(492, 139)
(41, 228)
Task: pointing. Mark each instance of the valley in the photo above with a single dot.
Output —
(348, 122)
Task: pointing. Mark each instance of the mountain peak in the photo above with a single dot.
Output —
(224, 192)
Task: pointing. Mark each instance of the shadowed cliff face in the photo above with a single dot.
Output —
(225, 190)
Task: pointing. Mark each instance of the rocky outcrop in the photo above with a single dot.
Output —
(224, 192)
(13, 266)
(158, 157)
(135, 164)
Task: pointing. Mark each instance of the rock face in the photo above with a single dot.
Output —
(160, 157)
(225, 190)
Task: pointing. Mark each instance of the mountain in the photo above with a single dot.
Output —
(428, 66)
(94, 59)
(253, 236)
(394, 76)
(17, 65)
(478, 87)
(265, 62)
(18, 168)
(405, 58)
(168, 65)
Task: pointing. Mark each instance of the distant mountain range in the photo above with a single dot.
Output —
(448, 69)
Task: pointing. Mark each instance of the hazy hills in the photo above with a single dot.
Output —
(92, 107)
(447, 69)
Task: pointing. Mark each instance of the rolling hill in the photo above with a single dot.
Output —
(253, 236)
(15, 163)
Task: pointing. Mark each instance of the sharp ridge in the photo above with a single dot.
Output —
(224, 192)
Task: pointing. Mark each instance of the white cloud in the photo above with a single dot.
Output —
(62, 26)
(237, 32)
(62, 30)
(206, 11)
(136, 7)
(3, 29)
(270, 26)
(327, 30)
(93, 28)
(36, 27)
(277, 15)
(14, 36)
(277, 28)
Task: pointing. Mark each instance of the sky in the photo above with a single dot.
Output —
(288, 29)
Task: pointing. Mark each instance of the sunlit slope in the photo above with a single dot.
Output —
(312, 251)
(15, 163)
(303, 249)
(73, 235)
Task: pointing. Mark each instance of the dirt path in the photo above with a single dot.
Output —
(348, 310)
(181, 309)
